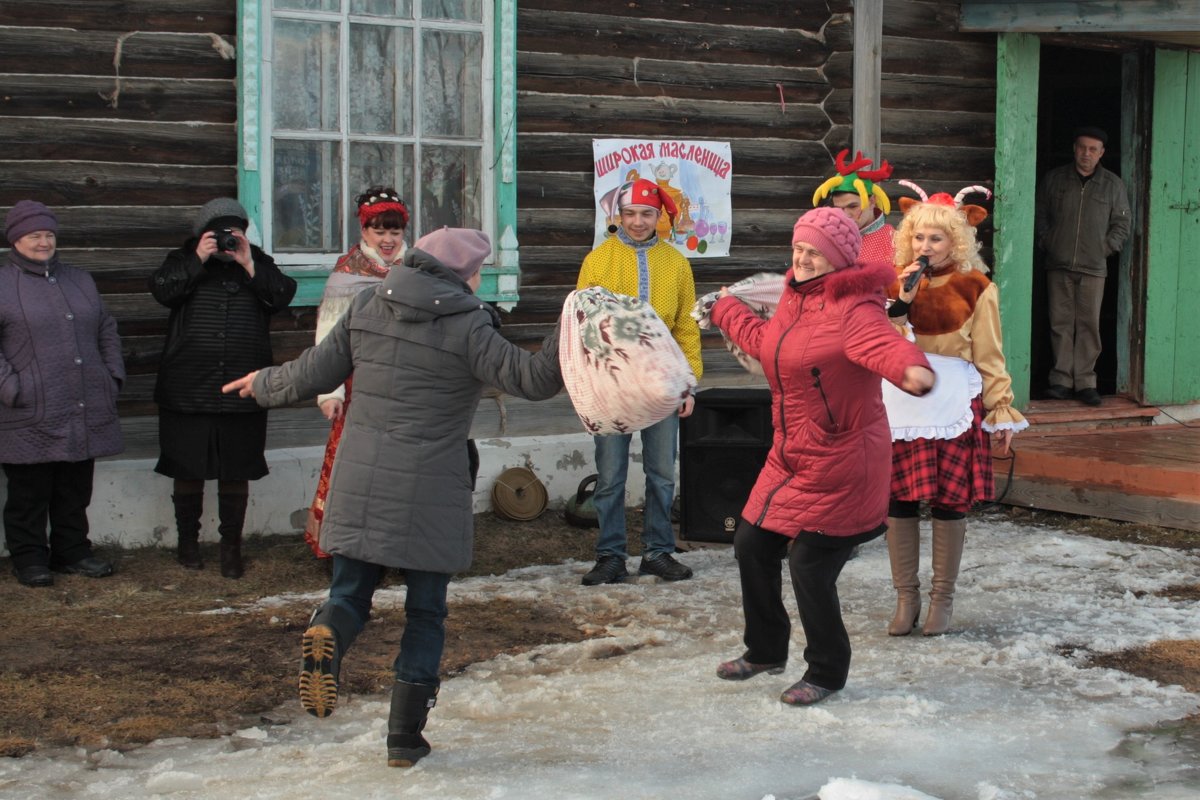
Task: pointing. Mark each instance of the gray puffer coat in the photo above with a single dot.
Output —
(421, 348)
(60, 365)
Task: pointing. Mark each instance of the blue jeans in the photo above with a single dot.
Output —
(612, 463)
(424, 636)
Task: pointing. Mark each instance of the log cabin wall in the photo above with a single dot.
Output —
(773, 79)
(121, 116)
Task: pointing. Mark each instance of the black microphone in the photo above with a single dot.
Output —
(911, 281)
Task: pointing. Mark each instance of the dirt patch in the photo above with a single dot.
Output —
(156, 651)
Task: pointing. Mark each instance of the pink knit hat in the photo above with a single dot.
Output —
(831, 231)
(462, 250)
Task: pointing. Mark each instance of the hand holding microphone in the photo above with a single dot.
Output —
(911, 281)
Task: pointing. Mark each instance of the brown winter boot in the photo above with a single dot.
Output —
(188, 508)
(904, 551)
(231, 509)
(948, 538)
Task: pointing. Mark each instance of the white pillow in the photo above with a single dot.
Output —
(622, 368)
(761, 292)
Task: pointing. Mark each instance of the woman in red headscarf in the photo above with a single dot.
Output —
(943, 453)
(383, 218)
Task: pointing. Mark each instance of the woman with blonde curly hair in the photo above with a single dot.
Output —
(942, 446)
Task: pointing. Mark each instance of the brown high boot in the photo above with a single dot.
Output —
(948, 538)
(231, 510)
(188, 508)
(904, 551)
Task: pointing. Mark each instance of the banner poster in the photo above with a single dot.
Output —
(696, 175)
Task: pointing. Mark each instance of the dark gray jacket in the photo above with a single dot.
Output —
(421, 348)
(60, 365)
(1079, 225)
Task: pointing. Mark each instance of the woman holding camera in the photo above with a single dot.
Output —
(222, 291)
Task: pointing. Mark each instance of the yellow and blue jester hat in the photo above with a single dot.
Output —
(853, 177)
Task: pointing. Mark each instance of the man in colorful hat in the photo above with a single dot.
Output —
(635, 262)
(854, 191)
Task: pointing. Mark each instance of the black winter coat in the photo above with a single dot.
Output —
(218, 329)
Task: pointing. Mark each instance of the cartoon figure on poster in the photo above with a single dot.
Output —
(694, 176)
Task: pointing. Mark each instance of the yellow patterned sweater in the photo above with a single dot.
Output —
(615, 266)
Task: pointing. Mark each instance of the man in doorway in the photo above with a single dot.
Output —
(1082, 217)
(853, 189)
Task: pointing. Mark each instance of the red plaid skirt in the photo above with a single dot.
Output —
(951, 473)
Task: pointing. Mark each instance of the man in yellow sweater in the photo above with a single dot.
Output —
(633, 261)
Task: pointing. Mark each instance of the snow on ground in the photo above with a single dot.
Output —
(998, 710)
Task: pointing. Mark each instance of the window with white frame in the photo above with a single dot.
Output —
(359, 93)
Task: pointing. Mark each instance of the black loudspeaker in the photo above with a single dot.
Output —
(723, 446)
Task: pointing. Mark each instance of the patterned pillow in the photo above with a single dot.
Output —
(622, 368)
(761, 292)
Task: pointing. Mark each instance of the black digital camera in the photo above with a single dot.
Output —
(226, 241)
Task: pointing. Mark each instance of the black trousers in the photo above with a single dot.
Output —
(58, 491)
(814, 570)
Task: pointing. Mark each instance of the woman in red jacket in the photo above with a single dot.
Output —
(824, 487)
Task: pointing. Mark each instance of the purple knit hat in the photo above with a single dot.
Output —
(26, 217)
(460, 249)
(831, 231)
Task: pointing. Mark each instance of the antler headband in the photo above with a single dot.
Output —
(974, 214)
(853, 178)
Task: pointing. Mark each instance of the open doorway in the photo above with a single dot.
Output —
(1077, 87)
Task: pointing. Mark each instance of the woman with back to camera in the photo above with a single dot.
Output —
(60, 371)
(824, 487)
(954, 312)
(382, 218)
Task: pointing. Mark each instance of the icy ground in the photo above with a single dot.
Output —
(1001, 708)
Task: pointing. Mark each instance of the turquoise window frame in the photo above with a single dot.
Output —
(501, 280)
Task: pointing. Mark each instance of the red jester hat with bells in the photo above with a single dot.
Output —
(640, 192)
(950, 306)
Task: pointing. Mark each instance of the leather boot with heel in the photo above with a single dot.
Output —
(231, 509)
(410, 711)
(949, 535)
(904, 552)
(188, 509)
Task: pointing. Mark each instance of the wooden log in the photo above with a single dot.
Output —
(122, 226)
(143, 55)
(973, 58)
(216, 16)
(83, 183)
(559, 266)
(668, 117)
(610, 34)
(151, 99)
(947, 128)
(625, 75)
(809, 15)
(572, 152)
(574, 190)
(119, 141)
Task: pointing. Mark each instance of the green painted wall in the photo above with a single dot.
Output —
(1172, 372)
(1017, 60)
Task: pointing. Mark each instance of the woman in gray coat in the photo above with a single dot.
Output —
(60, 371)
(421, 347)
